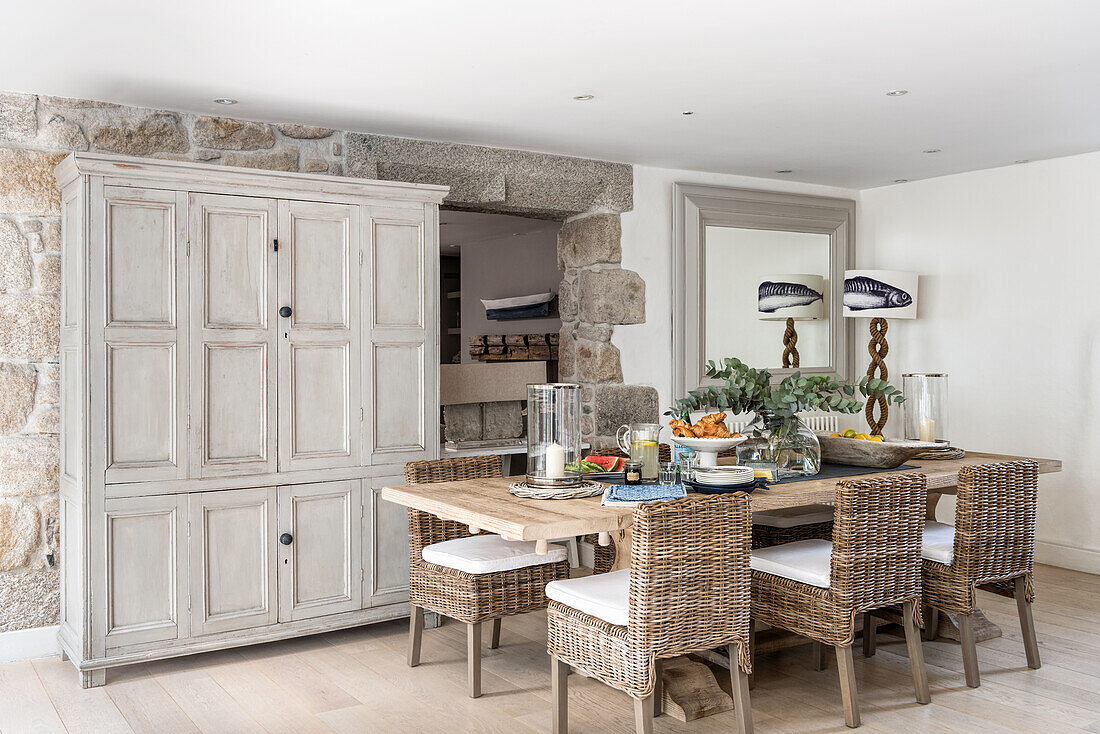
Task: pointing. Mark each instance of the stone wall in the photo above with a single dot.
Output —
(36, 131)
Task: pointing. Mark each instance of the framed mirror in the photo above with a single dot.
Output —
(758, 275)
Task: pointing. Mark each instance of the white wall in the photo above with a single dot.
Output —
(1009, 306)
(646, 349)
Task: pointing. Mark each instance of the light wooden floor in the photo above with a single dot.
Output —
(357, 681)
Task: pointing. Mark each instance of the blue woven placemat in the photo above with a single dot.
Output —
(645, 492)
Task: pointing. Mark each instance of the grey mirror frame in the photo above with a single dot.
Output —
(694, 207)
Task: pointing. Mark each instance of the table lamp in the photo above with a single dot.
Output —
(790, 298)
(878, 294)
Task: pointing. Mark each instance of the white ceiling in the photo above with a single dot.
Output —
(796, 84)
(458, 229)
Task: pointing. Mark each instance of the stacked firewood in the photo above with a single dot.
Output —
(514, 347)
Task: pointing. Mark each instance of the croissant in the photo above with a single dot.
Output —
(680, 428)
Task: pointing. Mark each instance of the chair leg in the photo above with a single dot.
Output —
(1027, 624)
(869, 635)
(916, 653)
(969, 650)
(658, 689)
(931, 623)
(752, 653)
(819, 656)
(848, 692)
(473, 658)
(643, 715)
(559, 684)
(740, 687)
(494, 639)
(416, 631)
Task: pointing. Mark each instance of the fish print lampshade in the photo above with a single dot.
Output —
(889, 294)
(800, 297)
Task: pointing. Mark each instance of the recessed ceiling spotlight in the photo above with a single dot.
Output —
(931, 150)
(225, 101)
(901, 180)
(584, 97)
(1022, 160)
(897, 93)
(784, 170)
(687, 113)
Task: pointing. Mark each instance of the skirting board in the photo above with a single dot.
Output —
(1065, 556)
(28, 644)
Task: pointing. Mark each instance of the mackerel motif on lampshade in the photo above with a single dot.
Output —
(800, 297)
(890, 294)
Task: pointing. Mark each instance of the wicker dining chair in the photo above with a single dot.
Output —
(816, 588)
(472, 598)
(687, 590)
(991, 547)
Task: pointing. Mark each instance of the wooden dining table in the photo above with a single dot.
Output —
(486, 504)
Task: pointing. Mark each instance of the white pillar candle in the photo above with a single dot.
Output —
(555, 461)
(927, 429)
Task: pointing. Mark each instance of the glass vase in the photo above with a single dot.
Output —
(788, 442)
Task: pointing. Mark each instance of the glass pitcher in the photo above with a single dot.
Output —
(639, 440)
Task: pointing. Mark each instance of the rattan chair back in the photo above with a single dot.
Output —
(425, 528)
(690, 583)
(878, 527)
(995, 520)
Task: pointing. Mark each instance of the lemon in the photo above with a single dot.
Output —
(863, 437)
(876, 437)
(850, 433)
(834, 435)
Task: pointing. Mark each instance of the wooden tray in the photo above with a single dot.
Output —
(876, 454)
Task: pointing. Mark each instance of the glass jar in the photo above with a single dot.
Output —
(788, 442)
(553, 434)
(925, 406)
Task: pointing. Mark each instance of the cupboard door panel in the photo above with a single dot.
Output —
(233, 560)
(146, 569)
(397, 239)
(234, 268)
(321, 571)
(233, 331)
(141, 259)
(140, 356)
(141, 409)
(398, 416)
(319, 371)
(388, 531)
(320, 386)
(235, 406)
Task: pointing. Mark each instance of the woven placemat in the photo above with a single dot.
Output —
(584, 489)
(947, 453)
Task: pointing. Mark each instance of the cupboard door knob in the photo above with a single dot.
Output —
(286, 538)
(285, 312)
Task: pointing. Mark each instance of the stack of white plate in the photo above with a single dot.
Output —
(724, 475)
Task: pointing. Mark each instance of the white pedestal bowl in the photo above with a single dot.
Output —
(706, 449)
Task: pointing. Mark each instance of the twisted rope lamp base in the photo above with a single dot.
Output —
(790, 351)
(877, 348)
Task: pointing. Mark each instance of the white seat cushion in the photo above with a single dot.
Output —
(489, 554)
(939, 542)
(604, 595)
(792, 517)
(805, 560)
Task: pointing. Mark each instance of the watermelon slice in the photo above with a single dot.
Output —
(609, 463)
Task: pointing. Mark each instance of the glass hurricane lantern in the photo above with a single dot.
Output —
(553, 434)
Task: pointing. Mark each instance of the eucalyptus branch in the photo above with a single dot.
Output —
(749, 390)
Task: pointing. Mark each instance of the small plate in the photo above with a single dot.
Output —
(746, 487)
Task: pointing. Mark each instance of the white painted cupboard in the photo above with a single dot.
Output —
(247, 357)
